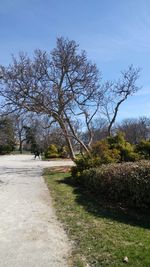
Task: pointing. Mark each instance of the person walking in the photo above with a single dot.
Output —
(36, 154)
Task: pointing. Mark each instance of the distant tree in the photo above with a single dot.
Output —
(7, 135)
(135, 130)
(100, 129)
(144, 128)
(50, 133)
(20, 122)
(34, 135)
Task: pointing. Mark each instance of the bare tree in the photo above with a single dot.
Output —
(20, 122)
(100, 129)
(117, 92)
(135, 130)
(63, 84)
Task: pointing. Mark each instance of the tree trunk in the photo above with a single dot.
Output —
(115, 115)
(72, 154)
(76, 137)
(68, 141)
(20, 146)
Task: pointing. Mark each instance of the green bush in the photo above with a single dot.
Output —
(51, 152)
(83, 163)
(114, 149)
(111, 150)
(6, 149)
(102, 150)
(127, 183)
(125, 149)
(143, 148)
(63, 152)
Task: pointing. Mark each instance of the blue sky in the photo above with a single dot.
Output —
(115, 34)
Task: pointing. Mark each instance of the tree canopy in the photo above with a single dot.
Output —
(65, 86)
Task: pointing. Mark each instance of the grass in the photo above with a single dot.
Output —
(102, 233)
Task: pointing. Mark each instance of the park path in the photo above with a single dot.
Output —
(30, 235)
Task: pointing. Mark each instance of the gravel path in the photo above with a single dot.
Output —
(30, 235)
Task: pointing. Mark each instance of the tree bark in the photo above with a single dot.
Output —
(20, 146)
(76, 137)
(115, 115)
(68, 141)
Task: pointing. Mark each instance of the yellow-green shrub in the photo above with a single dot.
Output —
(111, 150)
(125, 149)
(105, 153)
(63, 152)
(143, 148)
(83, 163)
(52, 152)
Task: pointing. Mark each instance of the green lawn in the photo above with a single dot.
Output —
(102, 233)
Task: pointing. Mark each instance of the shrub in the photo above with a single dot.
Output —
(63, 152)
(114, 149)
(6, 149)
(111, 150)
(124, 148)
(83, 163)
(144, 148)
(51, 152)
(128, 183)
(102, 150)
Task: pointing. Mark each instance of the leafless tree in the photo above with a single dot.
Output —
(20, 122)
(100, 129)
(117, 92)
(63, 84)
(135, 130)
(50, 133)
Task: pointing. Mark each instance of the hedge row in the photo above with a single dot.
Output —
(127, 183)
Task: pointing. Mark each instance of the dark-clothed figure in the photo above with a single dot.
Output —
(36, 154)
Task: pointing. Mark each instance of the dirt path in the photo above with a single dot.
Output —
(30, 235)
